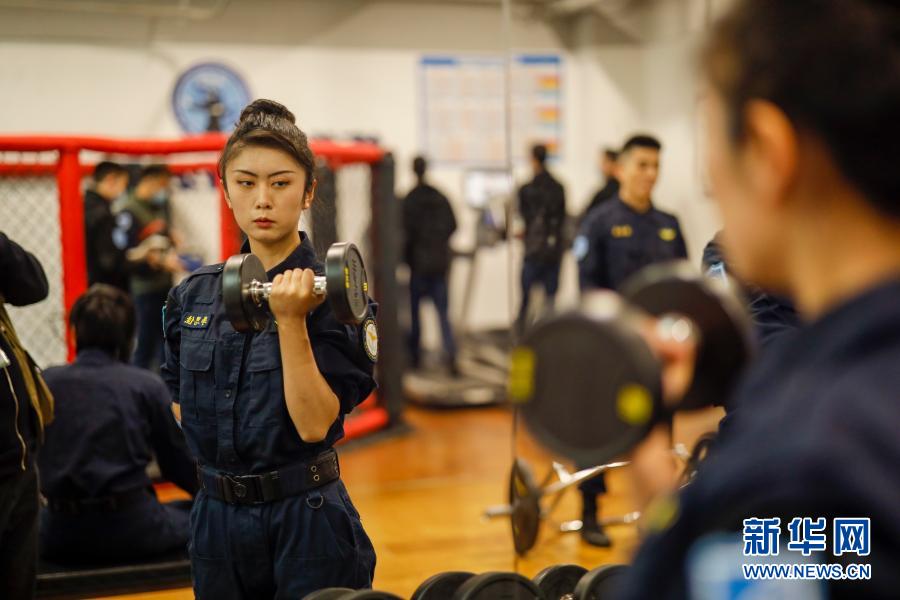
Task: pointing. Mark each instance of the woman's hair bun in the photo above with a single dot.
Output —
(261, 108)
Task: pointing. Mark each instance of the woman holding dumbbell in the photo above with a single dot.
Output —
(262, 411)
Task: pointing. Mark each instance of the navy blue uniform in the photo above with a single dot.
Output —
(231, 391)
(772, 315)
(614, 242)
(111, 419)
(821, 442)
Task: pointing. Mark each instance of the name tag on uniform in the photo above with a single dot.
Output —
(667, 234)
(621, 231)
(196, 321)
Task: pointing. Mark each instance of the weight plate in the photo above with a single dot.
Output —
(524, 498)
(329, 594)
(370, 595)
(558, 580)
(346, 283)
(589, 387)
(601, 583)
(441, 586)
(239, 271)
(717, 310)
(498, 586)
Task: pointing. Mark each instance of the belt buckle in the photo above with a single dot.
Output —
(237, 488)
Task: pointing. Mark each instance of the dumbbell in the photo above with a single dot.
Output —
(558, 582)
(246, 289)
(338, 593)
(494, 585)
(602, 583)
(589, 385)
(441, 586)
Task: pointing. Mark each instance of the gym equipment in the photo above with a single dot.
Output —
(601, 583)
(498, 586)
(339, 593)
(370, 595)
(329, 594)
(441, 586)
(524, 508)
(558, 582)
(246, 289)
(589, 385)
(526, 512)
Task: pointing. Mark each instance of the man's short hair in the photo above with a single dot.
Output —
(103, 317)
(611, 154)
(106, 169)
(151, 171)
(641, 141)
(419, 166)
(539, 153)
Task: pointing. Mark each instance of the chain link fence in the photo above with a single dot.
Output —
(29, 215)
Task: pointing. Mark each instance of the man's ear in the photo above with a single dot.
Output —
(771, 151)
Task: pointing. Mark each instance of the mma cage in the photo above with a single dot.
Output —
(43, 178)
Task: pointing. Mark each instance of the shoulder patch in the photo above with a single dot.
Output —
(580, 247)
(369, 338)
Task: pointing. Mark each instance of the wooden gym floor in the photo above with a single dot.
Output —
(421, 495)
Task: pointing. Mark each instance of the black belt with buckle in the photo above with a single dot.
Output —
(268, 487)
(101, 504)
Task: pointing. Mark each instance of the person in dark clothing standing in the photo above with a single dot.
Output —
(428, 223)
(104, 244)
(26, 406)
(616, 240)
(542, 204)
(111, 418)
(144, 221)
(611, 184)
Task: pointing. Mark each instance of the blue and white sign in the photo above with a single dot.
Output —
(209, 97)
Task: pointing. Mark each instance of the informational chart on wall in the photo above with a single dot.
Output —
(463, 107)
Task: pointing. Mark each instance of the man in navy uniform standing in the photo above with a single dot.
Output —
(618, 238)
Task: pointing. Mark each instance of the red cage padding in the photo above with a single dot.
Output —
(69, 171)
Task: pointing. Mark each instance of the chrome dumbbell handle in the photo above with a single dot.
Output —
(259, 291)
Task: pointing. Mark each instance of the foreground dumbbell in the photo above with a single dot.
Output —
(558, 582)
(348, 594)
(441, 586)
(496, 585)
(245, 288)
(589, 385)
(601, 583)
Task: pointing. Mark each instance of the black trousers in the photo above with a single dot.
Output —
(19, 509)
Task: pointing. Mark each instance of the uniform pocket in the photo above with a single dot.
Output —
(262, 397)
(197, 385)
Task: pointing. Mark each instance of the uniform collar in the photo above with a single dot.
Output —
(629, 208)
(303, 257)
(94, 356)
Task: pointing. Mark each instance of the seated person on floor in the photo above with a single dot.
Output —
(111, 419)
